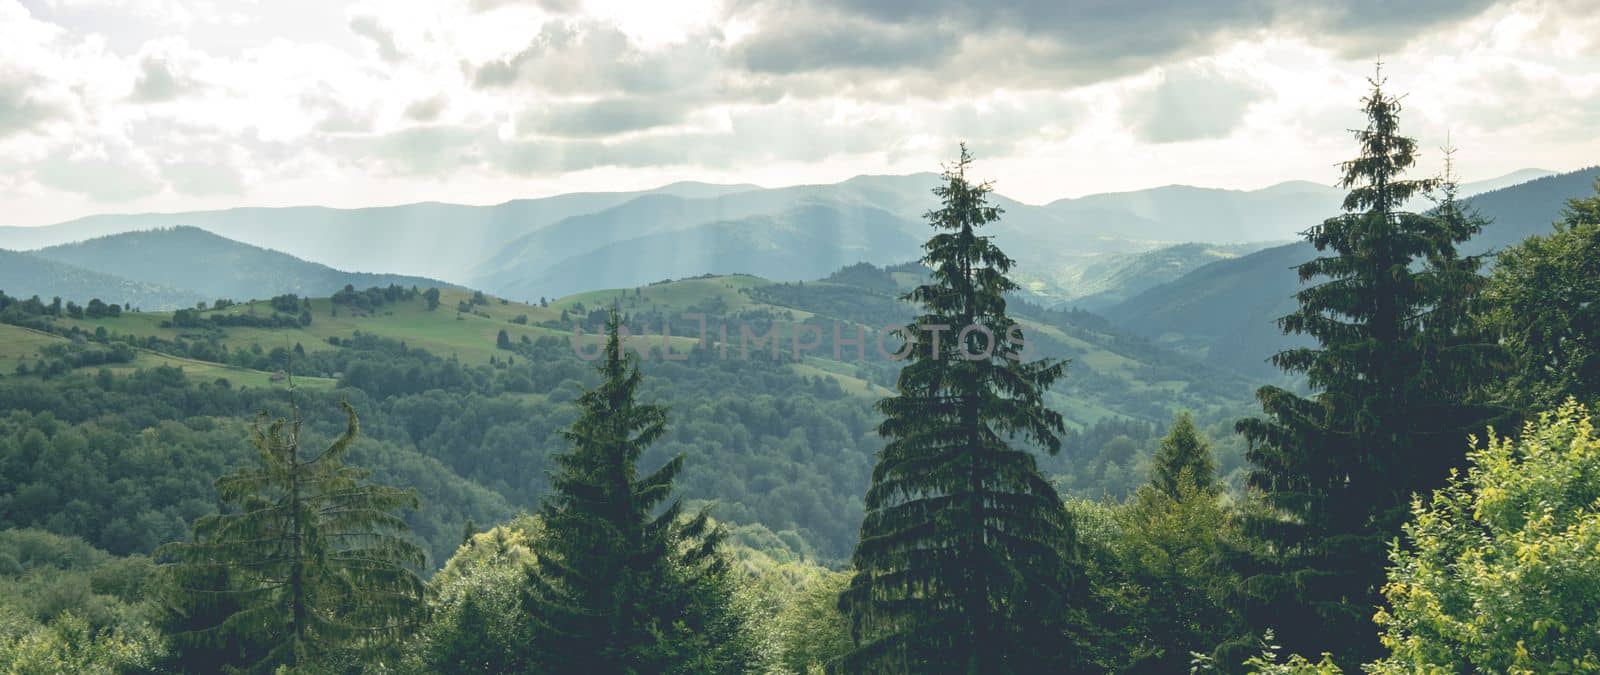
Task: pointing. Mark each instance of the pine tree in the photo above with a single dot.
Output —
(307, 562)
(1184, 459)
(1389, 374)
(621, 585)
(965, 561)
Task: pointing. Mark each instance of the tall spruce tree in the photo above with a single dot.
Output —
(1184, 459)
(967, 557)
(306, 565)
(621, 585)
(1390, 374)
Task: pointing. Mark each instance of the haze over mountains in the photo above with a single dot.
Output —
(212, 266)
(1094, 250)
(1225, 310)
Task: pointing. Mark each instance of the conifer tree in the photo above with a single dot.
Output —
(1387, 416)
(306, 564)
(620, 584)
(1184, 459)
(966, 559)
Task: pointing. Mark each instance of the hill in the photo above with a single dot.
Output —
(805, 242)
(24, 275)
(1224, 311)
(401, 239)
(1185, 213)
(211, 266)
(1108, 279)
(773, 437)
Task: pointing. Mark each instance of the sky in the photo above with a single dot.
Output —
(174, 105)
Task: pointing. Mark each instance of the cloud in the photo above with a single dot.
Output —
(1190, 103)
(811, 44)
(371, 28)
(427, 109)
(99, 178)
(204, 179)
(605, 117)
(551, 6)
(594, 58)
(1044, 43)
(21, 108)
(156, 82)
(333, 114)
(422, 150)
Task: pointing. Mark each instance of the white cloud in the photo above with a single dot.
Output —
(176, 104)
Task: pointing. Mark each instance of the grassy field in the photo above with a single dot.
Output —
(19, 344)
(470, 336)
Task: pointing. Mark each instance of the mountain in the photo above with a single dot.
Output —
(402, 239)
(1225, 310)
(23, 275)
(1044, 243)
(505, 246)
(1110, 279)
(212, 266)
(780, 440)
(1184, 213)
(804, 242)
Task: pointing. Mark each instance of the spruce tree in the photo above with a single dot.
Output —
(620, 584)
(1184, 459)
(966, 560)
(1389, 376)
(307, 563)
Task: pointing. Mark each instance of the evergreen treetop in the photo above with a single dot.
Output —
(966, 555)
(621, 583)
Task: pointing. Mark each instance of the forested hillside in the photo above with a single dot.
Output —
(25, 275)
(211, 266)
(1223, 311)
(1370, 451)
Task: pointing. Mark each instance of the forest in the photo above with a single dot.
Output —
(410, 479)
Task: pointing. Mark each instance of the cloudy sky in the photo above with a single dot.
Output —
(164, 105)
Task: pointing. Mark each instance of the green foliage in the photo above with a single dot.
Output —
(620, 584)
(965, 559)
(1499, 571)
(66, 607)
(1184, 461)
(1544, 302)
(1389, 373)
(812, 632)
(210, 265)
(311, 559)
(476, 619)
(1270, 662)
(1156, 568)
(68, 644)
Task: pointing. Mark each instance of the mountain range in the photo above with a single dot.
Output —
(175, 267)
(1158, 263)
(553, 245)
(1225, 310)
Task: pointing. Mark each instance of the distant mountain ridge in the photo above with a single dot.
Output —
(1225, 310)
(23, 275)
(403, 239)
(211, 266)
(805, 242)
(506, 247)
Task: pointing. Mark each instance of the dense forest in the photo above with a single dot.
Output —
(434, 480)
